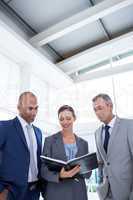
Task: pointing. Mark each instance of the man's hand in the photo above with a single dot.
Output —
(70, 173)
(4, 194)
(100, 163)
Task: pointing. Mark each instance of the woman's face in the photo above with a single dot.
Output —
(66, 119)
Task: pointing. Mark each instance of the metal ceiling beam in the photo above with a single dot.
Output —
(79, 20)
(5, 5)
(97, 54)
(104, 73)
(15, 15)
(103, 27)
(8, 1)
(100, 22)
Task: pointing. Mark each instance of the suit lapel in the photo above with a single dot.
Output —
(38, 138)
(79, 147)
(113, 134)
(19, 130)
(59, 144)
(100, 143)
(38, 135)
(112, 137)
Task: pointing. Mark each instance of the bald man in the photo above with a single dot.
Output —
(21, 144)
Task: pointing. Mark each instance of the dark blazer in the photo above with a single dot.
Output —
(15, 158)
(66, 188)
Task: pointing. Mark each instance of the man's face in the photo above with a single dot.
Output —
(103, 110)
(28, 108)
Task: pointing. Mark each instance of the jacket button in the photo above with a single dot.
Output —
(108, 163)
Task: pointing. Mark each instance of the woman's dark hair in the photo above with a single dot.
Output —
(66, 107)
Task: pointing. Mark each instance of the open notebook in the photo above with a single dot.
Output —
(87, 163)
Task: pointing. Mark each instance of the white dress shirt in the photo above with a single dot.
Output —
(31, 177)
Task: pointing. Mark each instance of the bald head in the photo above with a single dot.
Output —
(27, 106)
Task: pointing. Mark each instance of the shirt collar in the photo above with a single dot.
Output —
(23, 122)
(112, 122)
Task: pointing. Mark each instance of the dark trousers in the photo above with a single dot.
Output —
(30, 192)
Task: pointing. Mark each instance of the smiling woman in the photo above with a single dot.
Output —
(65, 145)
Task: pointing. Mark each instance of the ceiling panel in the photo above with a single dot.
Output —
(120, 21)
(41, 14)
(79, 40)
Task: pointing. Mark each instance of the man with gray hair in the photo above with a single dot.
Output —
(114, 142)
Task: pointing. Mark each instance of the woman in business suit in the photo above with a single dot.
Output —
(64, 145)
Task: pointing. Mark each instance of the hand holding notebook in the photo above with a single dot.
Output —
(86, 162)
(69, 173)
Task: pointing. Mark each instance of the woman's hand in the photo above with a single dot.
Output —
(68, 174)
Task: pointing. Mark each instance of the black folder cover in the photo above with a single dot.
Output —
(87, 163)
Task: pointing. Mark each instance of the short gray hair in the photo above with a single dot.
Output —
(105, 97)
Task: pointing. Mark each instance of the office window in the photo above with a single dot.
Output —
(9, 87)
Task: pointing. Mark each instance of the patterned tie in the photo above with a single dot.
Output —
(32, 166)
(106, 139)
